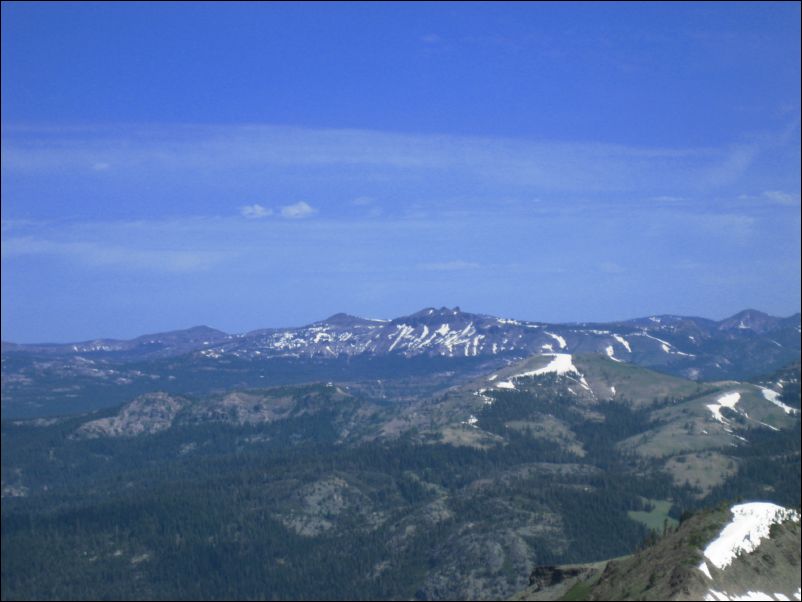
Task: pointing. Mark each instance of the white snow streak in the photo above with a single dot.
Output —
(403, 332)
(559, 339)
(623, 341)
(666, 346)
(774, 398)
(747, 597)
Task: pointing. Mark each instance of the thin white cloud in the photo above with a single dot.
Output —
(105, 255)
(584, 167)
(667, 199)
(736, 226)
(297, 210)
(611, 267)
(431, 38)
(448, 266)
(737, 160)
(255, 211)
(782, 198)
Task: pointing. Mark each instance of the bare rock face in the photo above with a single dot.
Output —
(146, 414)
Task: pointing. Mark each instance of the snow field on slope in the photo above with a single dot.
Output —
(750, 524)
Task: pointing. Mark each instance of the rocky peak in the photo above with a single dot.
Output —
(749, 319)
(343, 319)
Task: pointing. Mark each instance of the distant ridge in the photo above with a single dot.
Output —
(749, 342)
(749, 319)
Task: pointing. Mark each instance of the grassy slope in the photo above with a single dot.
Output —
(667, 569)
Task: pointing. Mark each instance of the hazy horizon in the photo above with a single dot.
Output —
(383, 318)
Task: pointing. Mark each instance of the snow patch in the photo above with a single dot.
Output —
(728, 400)
(476, 341)
(559, 339)
(561, 364)
(665, 345)
(508, 321)
(403, 332)
(472, 421)
(623, 341)
(750, 524)
(609, 351)
(322, 336)
(774, 398)
(488, 401)
(747, 597)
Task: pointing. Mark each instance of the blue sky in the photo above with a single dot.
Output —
(254, 165)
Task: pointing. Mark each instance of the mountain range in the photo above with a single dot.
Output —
(659, 340)
(45, 379)
(442, 455)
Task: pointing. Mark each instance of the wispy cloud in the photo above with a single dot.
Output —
(106, 255)
(298, 210)
(539, 166)
(431, 38)
(449, 266)
(255, 211)
(732, 165)
(611, 267)
(782, 198)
